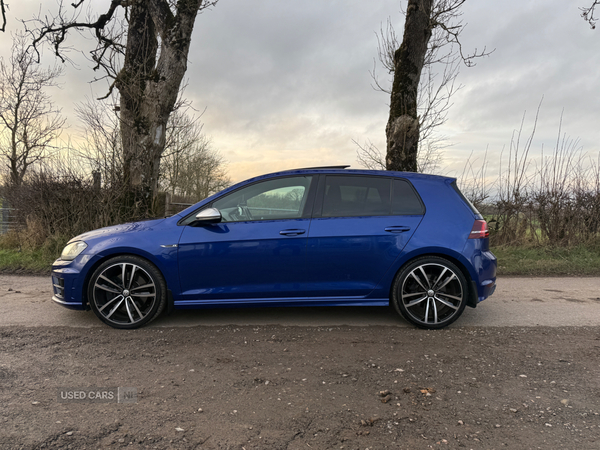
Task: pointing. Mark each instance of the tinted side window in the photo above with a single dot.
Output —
(282, 198)
(347, 196)
(405, 200)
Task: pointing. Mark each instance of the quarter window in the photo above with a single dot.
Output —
(406, 201)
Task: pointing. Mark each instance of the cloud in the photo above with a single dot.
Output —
(287, 84)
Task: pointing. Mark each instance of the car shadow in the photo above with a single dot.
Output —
(285, 316)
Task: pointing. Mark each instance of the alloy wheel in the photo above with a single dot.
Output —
(124, 294)
(432, 295)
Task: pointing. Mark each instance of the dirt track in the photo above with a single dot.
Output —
(25, 301)
(297, 387)
(303, 386)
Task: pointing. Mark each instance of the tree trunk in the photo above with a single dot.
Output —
(149, 89)
(402, 130)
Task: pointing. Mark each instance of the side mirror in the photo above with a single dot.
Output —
(207, 216)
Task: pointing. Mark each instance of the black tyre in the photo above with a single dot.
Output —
(430, 292)
(127, 292)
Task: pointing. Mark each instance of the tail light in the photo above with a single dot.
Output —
(480, 230)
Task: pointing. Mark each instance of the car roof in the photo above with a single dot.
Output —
(336, 170)
(343, 169)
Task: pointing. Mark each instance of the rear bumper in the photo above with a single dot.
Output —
(483, 271)
(487, 288)
(486, 270)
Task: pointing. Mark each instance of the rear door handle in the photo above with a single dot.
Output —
(397, 229)
(293, 232)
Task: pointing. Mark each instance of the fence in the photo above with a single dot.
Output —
(6, 222)
(172, 206)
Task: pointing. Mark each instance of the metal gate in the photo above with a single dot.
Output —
(6, 218)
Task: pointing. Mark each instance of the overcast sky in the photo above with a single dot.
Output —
(287, 84)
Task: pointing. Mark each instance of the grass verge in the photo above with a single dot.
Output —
(28, 252)
(26, 261)
(548, 261)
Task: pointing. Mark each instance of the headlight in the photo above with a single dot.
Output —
(72, 250)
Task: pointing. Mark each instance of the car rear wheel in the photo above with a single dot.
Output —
(127, 292)
(431, 292)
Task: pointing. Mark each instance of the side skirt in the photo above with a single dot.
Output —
(281, 302)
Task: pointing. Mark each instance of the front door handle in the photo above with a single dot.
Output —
(397, 229)
(293, 232)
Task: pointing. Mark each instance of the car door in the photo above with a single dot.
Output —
(257, 251)
(361, 225)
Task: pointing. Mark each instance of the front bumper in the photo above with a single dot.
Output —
(67, 284)
(74, 305)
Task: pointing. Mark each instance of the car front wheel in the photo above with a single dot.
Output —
(127, 292)
(431, 292)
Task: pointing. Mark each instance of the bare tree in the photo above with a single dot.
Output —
(430, 26)
(30, 120)
(184, 137)
(142, 46)
(369, 156)
(428, 158)
(588, 14)
(190, 166)
(101, 146)
(436, 87)
(201, 173)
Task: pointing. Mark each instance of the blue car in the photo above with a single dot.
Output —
(309, 237)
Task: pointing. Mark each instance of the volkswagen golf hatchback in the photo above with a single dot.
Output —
(307, 237)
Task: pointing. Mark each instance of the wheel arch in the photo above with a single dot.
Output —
(455, 258)
(122, 252)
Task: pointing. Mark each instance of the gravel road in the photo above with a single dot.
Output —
(517, 302)
(521, 371)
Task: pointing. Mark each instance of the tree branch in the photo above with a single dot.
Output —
(3, 8)
(588, 14)
(57, 33)
(446, 15)
(27, 113)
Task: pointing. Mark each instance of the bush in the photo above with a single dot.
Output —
(552, 200)
(50, 209)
